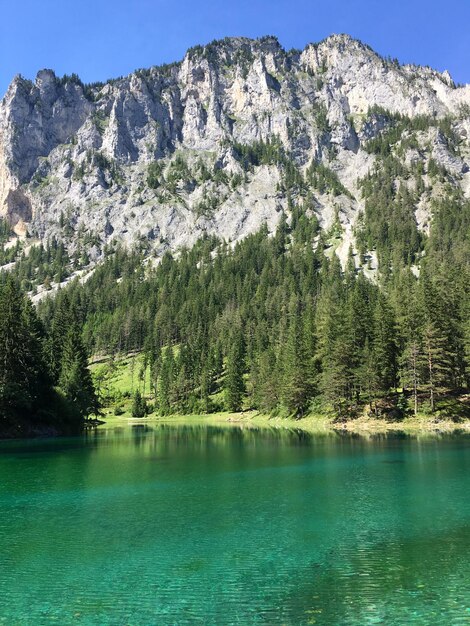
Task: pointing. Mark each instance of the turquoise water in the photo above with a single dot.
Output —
(201, 525)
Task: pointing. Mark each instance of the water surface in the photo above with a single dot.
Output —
(204, 525)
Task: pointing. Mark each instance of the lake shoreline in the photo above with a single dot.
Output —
(314, 424)
(362, 426)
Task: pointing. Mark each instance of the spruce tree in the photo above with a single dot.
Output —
(24, 378)
(166, 383)
(441, 338)
(205, 389)
(412, 363)
(234, 383)
(438, 362)
(139, 406)
(296, 374)
(60, 325)
(368, 378)
(75, 379)
(265, 382)
(384, 345)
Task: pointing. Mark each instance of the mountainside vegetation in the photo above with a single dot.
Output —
(45, 383)
(276, 325)
(276, 240)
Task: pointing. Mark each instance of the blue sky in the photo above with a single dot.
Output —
(99, 39)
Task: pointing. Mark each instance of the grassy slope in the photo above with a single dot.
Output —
(119, 379)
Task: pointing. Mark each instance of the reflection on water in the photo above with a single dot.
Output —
(194, 524)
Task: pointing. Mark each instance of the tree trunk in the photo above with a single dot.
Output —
(431, 380)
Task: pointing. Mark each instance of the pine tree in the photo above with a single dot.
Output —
(467, 346)
(234, 384)
(60, 325)
(296, 374)
(440, 336)
(438, 362)
(384, 345)
(23, 373)
(139, 406)
(265, 382)
(410, 314)
(75, 379)
(166, 383)
(368, 377)
(204, 390)
(412, 364)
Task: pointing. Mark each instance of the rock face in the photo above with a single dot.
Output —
(155, 157)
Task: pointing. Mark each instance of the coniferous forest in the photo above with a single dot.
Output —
(273, 324)
(45, 383)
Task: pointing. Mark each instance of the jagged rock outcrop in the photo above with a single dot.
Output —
(155, 156)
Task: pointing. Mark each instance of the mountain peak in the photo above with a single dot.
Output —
(202, 146)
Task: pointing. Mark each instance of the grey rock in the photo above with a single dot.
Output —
(84, 151)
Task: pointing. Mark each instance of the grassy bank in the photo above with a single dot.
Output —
(313, 424)
(118, 379)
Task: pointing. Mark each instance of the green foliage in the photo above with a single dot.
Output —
(79, 171)
(207, 204)
(325, 180)
(296, 366)
(42, 264)
(22, 368)
(397, 125)
(10, 254)
(98, 160)
(27, 397)
(401, 130)
(320, 114)
(269, 152)
(154, 172)
(271, 323)
(75, 378)
(234, 385)
(389, 223)
(5, 231)
(139, 406)
(103, 163)
(101, 121)
(178, 171)
(169, 178)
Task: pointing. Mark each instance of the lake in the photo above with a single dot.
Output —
(204, 525)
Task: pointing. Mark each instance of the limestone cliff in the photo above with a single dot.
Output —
(156, 156)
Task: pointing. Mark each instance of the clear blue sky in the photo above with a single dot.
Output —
(99, 39)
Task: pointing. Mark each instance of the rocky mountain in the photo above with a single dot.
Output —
(232, 137)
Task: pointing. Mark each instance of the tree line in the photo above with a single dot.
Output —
(276, 324)
(44, 377)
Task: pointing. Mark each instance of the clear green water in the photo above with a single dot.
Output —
(200, 525)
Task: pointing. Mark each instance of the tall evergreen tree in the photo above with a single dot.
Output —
(166, 383)
(384, 345)
(438, 362)
(139, 406)
(411, 368)
(368, 378)
(234, 385)
(297, 380)
(61, 323)
(75, 379)
(265, 377)
(23, 373)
